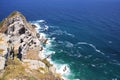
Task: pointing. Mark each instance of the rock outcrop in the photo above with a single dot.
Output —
(20, 46)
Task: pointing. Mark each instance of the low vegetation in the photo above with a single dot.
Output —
(1, 51)
(12, 14)
(1, 23)
(14, 70)
(46, 62)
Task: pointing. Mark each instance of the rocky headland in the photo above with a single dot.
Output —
(21, 50)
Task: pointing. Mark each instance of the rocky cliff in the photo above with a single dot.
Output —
(20, 51)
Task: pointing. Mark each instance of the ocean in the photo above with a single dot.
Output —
(84, 35)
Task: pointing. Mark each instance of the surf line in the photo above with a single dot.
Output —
(63, 69)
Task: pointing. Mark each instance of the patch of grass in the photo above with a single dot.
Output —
(1, 51)
(46, 76)
(14, 69)
(47, 63)
(31, 78)
(13, 14)
(43, 69)
(1, 39)
(1, 23)
(32, 54)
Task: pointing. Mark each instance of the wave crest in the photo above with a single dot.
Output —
(63, 69)
(91, 45)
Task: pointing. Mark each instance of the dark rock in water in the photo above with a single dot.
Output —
(34, 26)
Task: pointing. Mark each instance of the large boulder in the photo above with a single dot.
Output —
(2, 63)
(34, 64)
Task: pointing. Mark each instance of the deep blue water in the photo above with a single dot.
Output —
(87, 33)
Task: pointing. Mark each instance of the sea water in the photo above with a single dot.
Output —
(82, 35)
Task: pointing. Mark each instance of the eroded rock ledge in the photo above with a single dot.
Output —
(20, 50)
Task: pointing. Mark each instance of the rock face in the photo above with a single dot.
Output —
(21, 35)
(20, 45)
(2, 63)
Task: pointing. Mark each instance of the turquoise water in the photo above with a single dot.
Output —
(86, 34)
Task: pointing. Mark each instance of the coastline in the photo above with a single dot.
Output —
(46, 51)
(25, 56)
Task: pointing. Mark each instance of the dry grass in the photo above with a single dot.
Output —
(14, 69)
(1, 51)
(13, 14)
(45, 76)
(1, 23)
(1, 39)
(46, 62)
(32, 54)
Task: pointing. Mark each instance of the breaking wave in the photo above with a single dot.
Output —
(41, 26)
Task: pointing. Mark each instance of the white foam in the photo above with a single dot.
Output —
(93, 65)
(76, 79)
(68, 44)
(46, 27)
(69, 34)
(46, 50)
(54, 27)
(40, 25)
(42, 36)
(79, 55)
(60, 68)
(37, 26)
(40, 21)
(109, 42)
(91, 45)
(114, 79)
(60, 32)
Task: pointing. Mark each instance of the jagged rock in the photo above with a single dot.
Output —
(23, 44)
(3, 51)
(2, 63)
(52, 69)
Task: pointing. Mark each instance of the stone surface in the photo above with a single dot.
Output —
(34, 64)
(2, 63)
(21, 49)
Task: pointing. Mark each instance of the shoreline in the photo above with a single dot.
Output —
(22, 50)
(46, 52)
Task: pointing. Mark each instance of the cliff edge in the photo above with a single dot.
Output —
(21, 49)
